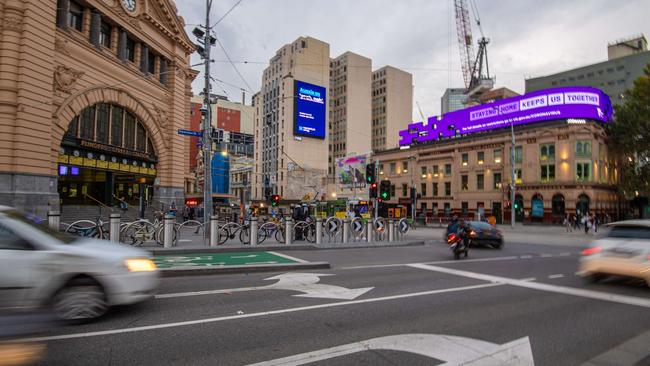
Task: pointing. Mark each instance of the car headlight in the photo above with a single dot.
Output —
(140, 265)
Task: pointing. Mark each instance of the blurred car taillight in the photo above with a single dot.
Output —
(592, 250)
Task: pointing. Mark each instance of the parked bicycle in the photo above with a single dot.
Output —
(89, 229)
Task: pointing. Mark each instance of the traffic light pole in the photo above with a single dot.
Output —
(514, 177)
(207, 127)
(377, 195)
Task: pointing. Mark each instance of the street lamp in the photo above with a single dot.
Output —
(514, 178)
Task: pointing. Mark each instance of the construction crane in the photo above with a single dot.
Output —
(476, 80)
(424, 120)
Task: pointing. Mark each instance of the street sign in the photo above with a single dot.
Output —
(380, 225)
(403, 226)
(190, 133)
(357, 225)
(448, 349)
(333, 225)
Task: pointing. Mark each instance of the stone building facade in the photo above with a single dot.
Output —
(91, 95)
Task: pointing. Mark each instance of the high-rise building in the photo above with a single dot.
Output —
(452, 100)
(626, 60)
(350, 107)
(392, 106)
(291, 114)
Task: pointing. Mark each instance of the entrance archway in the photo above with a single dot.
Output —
(558, 205)
(106, 154)
(537, 207)
(582, 204)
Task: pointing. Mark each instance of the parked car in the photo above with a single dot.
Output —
(624, 251)
(77, 278)
(482, 233)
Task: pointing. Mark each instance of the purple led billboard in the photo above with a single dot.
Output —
(544, 105)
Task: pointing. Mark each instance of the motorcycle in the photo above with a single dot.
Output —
(457, 245)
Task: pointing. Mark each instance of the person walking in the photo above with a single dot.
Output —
(567, 223)
(586, 222)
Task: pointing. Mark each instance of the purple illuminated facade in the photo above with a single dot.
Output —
(543, 105)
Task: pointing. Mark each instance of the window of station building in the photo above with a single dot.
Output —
(423, 189)
(497, 181)
(480, 157)
(447, 188)
(583, 148)
(447, 170)
(404, 190)
(103, 123)
(405, 167)
(583, 171)
(519, 154)
(518, 176)
(76, 16)
(73, 128)
(547, 173)
(141, 138)
(464, 208)
(465, 159)
(498, 156)
(547, 152)
(87, 124)
(105, 31)
(434, 170)
(423, 171)
(480, 181)
(392, 190)
(129, 131)
(434, 189)
(151, 67)
(464, 182)
(130, 49)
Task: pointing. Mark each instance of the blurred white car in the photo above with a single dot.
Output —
(625, 251)
(78, 278)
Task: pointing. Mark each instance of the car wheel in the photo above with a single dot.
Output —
(498, 245)
(594, 277)
(80, 302)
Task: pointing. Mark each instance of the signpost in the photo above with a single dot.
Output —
(190, 133)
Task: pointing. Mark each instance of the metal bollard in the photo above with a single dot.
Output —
(115, 227)
(288, 231)
(319, 231)
(391, 230)
(253, 231)
(369, 230)
(168, 239)
(214, 230)
(346, 230)
(54, 220)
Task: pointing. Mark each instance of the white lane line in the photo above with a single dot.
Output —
(559, 275)
(597, 295)
(288, 257)
(566, 254)
(184, 240)
(434, 262)
(529, 279)
(254, 315)
(545, 255)
(526, 256)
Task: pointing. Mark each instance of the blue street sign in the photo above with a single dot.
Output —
(190, 133)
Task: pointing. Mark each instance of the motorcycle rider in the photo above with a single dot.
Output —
(463, 232)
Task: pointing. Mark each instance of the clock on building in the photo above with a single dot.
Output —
(129, 5)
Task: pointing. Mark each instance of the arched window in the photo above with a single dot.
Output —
(582, 204)
(537, 206)
(117, 125)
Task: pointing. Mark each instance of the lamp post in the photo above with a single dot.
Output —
(514, 177)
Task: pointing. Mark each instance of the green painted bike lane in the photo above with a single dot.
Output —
(222, 259)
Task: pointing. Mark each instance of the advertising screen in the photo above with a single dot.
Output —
(351, 171)
(309, 110)
(544, 105)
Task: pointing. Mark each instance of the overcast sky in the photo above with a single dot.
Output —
(528, 37)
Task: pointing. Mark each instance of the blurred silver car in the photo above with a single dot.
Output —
(625, 251)
(78, 278)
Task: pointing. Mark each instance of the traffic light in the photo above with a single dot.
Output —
(384, 190)
(516, 205)
(275, 200)
(370, 173)
(373, 190)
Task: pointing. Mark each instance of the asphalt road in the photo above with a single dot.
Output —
(398, 306)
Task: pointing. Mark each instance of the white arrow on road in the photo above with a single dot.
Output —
(245, 256)
(452, 350)
(307, 283)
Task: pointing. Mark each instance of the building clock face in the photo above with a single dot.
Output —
(129, 5)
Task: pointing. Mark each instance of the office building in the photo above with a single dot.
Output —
(291, 116)
(626, 61)
(392, 106)
(452, 100)
(350, 107)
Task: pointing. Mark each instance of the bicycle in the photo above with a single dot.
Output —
(231, 229)
(305, 230)
(89, 229)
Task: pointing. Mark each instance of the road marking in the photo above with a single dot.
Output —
(435, 262)
(184, 240)
(559, 275)
(244, 256)
(597, 295)
(254, 315)
(529, 279)
(452, 350)
(545, 255)
(307, 283)
(634, 351)
(288, 257)
(526, 256)
(566, 254)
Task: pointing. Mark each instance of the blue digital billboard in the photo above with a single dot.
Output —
(309, 110)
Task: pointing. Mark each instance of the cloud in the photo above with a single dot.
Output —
(527, 37)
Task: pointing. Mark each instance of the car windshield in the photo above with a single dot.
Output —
(630, 231)
(41, 225)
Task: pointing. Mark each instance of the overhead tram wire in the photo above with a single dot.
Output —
(226, 13)
(232, 63)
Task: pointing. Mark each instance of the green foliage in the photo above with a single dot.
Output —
(629, 136)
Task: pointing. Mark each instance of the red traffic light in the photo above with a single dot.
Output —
(374, 185)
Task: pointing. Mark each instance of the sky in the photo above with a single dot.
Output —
(528, 38)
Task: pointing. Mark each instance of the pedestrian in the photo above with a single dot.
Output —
(586, 222)
(186, 212)
(596, 223)
(123, 205)
(578, 219)
(567, 223)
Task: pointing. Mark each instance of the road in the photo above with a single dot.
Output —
(388, 306)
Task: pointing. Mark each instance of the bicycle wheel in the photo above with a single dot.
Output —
(279, 236)
(243, 234)
(224, 234)
(310, 233)
(160, 235)
(83, 228)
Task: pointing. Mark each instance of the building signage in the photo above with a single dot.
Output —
(114, 149)
(309, 110)
(190, 133)
(570, 103)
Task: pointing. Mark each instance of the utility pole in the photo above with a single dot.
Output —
(207, 129)
(377, 181)
(514, 177)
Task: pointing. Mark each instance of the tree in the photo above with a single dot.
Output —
(629, 137)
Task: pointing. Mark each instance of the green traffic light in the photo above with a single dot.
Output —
(384, 195)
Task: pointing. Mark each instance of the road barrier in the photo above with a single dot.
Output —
(288, 231)
(252, 233)
(169, 231)
(114, 228)
(214, 230)
(319, 230)
(358, 226)
(54, 219)
(346, 230)
(333, 226)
